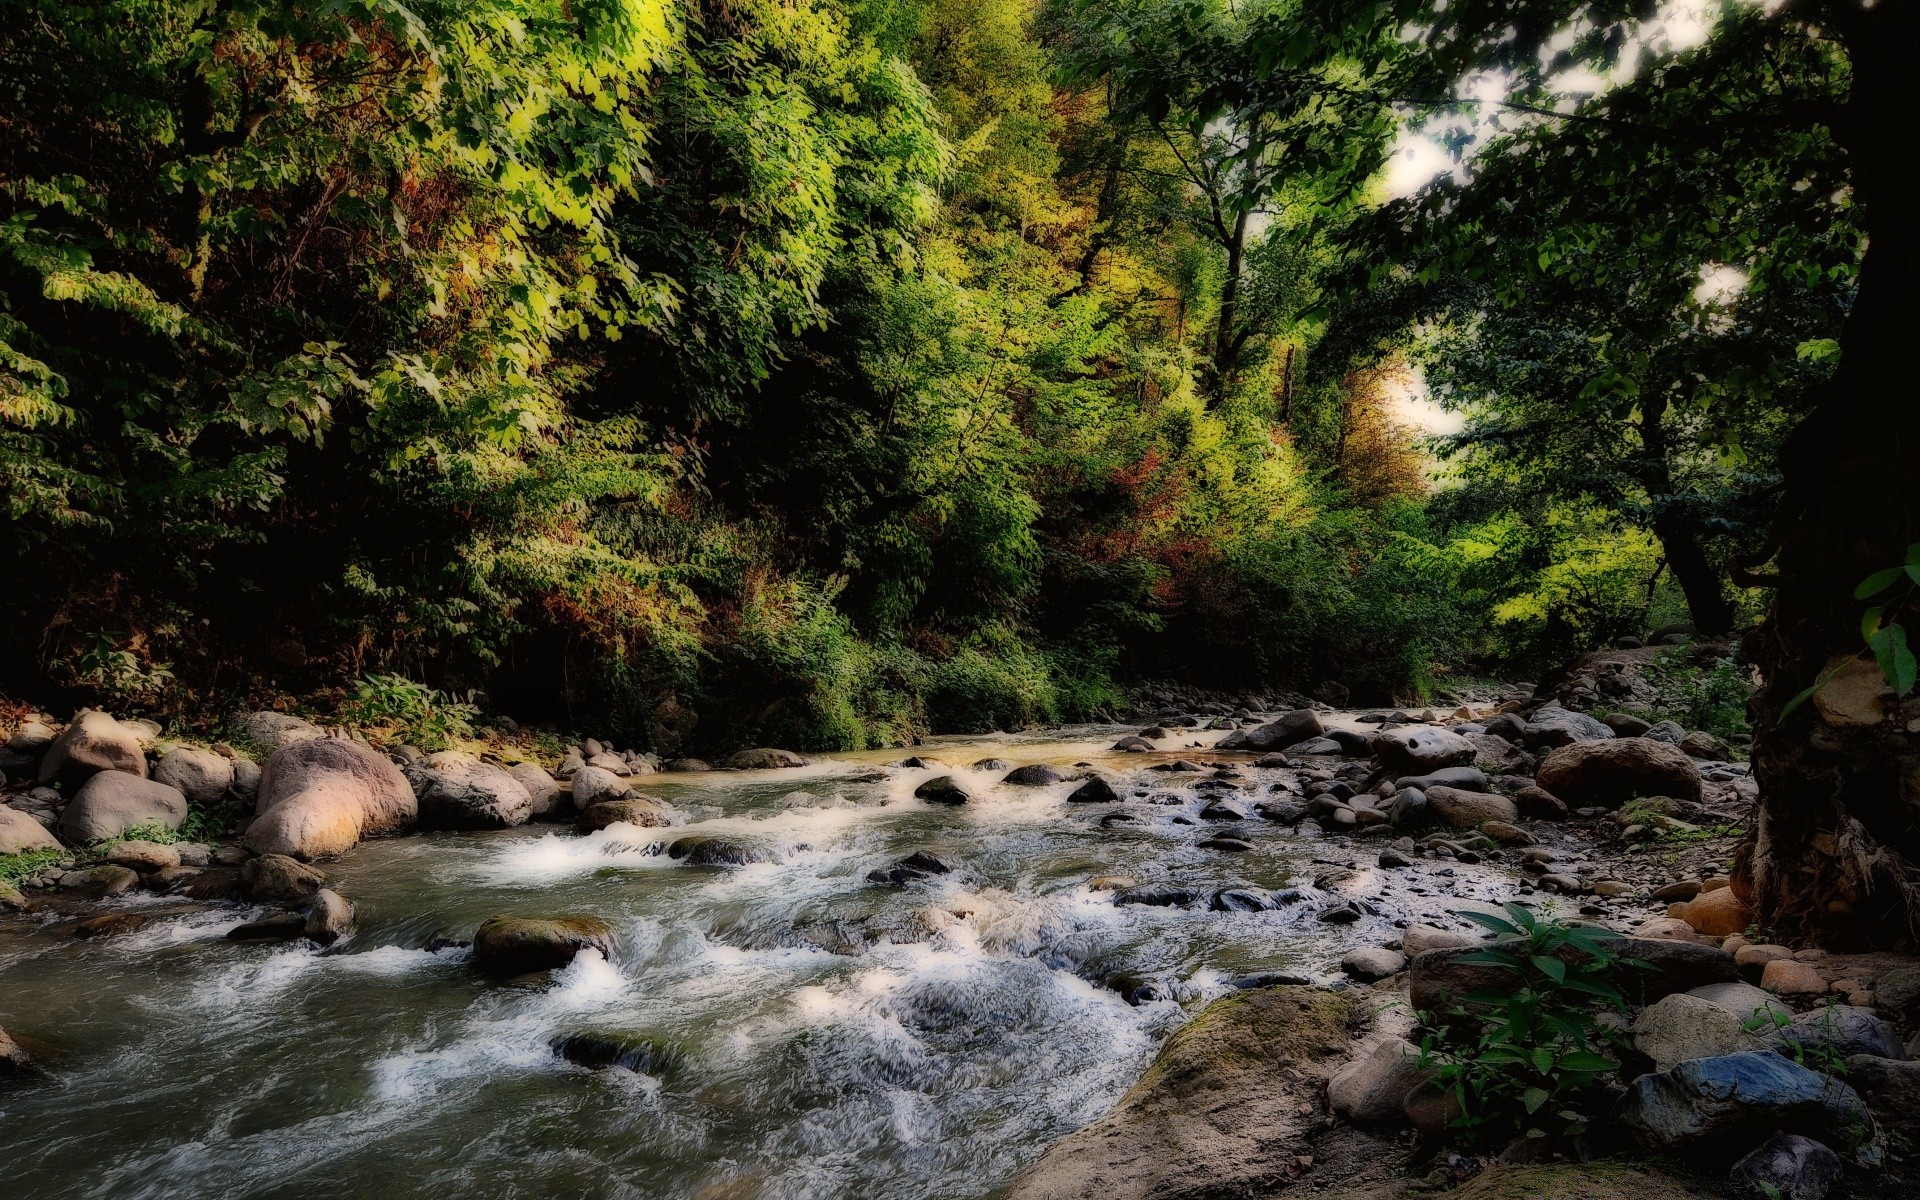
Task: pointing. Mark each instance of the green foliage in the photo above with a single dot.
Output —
(1883, 627)
(392, 709)
(1529, 1060)
(15, 867)
(1711, 696)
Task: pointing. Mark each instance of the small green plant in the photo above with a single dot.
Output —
(15, 867)
(103, 664)
(1712, 697)
(393, 708)
(1821, 1056)
(1527, 1061)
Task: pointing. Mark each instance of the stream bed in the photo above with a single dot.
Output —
(807, 1033)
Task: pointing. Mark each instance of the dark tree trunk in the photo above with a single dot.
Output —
(1699, 579)
(1835, 850)
(1226, 338)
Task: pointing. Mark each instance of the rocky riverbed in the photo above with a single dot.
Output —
(866, 974)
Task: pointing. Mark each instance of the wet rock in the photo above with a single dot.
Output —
(1133, 745)
(15, 1062)
(1224, 1108)
(1373, 964)
(631, 1052)
(1267, 979)
(1666, 731)
(1001, 764)
(144, 856)
(1230, 845)
(279, 879)
(214, 883)
(1422, 749)
(12, 899)
(921, 864)
(1371, 1089)
(1891, 1089)
(1676, 1028)
(1289, 729)
(458, 791)
(1465, 810)
(1837, 1031)
(1538, 804)
(1223, 809)
(112, 925)
(111, 803)
(1703, 745)
(1111, 883)
(1250, 899)
(320, 796)
(1465, 779)
(1720, 1106)
(1034, 775)
(170, 879)
(592, 785)
(274, 927)
(1159, 896)
(546, 801)
(20, 833)
(1417, 939)
(276, 731)
(1788, 1167)
(1615, 771)
(1506, 834)
(1353, 743)
(328, 919)
(631, 809)
(1339, 914)
(93, 743)
(1094, 791)
(506, 946)
(202, 776)
(1554, 726)
(762, 759)
(942, 789)
(703, 851)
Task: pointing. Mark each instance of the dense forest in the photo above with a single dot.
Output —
(825, 372)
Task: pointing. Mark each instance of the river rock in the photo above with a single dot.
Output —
(592, 785)
(700, 850)
(1033, 775)
(274, 927)
(1417, 939)
(20, 833)
(762, 758)
(329, 918)
(1410, 810)
(611, 763)
(1225, 1109)
(112, 925)
(1615, 771)
(629, 809)
(942, 789)
(99, 882)
(506, 946)
(246, 779)
(1840, 1031)
(1133, 745)
(31, 737)
(1159, 896)
(921, 864)
(1371, 1089)
(1417, 750)
(1438, 978)
(1718, 913)
(687, 766)
(280, 879)
(1703, 745)
(459, 791)
(548, 802)
(1785, 977)
(1373, 963)
(1094, 791)
(1465, 779)
(1289, 729)
(276, 731)
(1676, 1028)
(202, 776)
(1538, 804)
(1788, 1167)
(320, 796)
(1553, 726)
(144, 856)
(111, 803)
(1465, 810)
(1721, 1106)
(1891, 1089)
(598, 1051)
(1743, 1000)
(94, 742)
(1320, 746)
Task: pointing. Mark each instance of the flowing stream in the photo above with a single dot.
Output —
(810, 1034)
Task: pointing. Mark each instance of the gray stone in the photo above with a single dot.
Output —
(1721, 1106)
(202, 776)
(280, 879)
(507, 946)
(1891, 1089)
(1615, 771)
(1417, 750)
(1094, 791)
(1372, 1089)
(629, 809)
(276, 731)
(1840, 1030)
(20, 833)
(320, 796)
(1289, 729)
(94, 742)
(111, 803)
(329, 918)
(458, 791)
(762, 759)
(1465, 779)
(1371, 964)
(1676, 1028)
(543, 792)
(99, 882)
(1034, 775)
(246, 779)
(144, 856)
(1665, 731)
(1465, 810)
(593, 785)
(1788, 1167)
(1554, 726)
(942, 789)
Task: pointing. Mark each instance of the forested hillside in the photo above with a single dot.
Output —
(835, 371)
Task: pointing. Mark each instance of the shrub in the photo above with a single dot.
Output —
(393, 708)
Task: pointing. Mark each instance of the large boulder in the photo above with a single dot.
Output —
(505, 946)
(278, 879)
(276, 731)
(1439, 979)
(543, 791)
(1466, 810)
(1418, 749)
(1467, 779)
(320, 796)
(1371, 1089)
(941, 789)
(628, 809)
(1892, 1090)
(94, 742)
(1718, 913)
(1554, 726)
(1676, 1028)
(592, 785)
(1789, 1167)
(1723, 1106)
(1094, 791)
(1034, 775)
(20, 833)
(1225, 1109)
(1289, 729)
(1838, 1031)
(459, 791)
(201, 775)
(113, 802)
(1617, 770)
(761, 759)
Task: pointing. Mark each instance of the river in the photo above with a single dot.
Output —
(811, 1034)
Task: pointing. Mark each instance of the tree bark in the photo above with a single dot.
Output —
(1699, 579)
(1835, 849)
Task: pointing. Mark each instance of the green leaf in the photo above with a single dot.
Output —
(1488, 920)
(1878, 582)
(1551, 967)
(1587, 1060)
(1533, 1098)
(1804, 695)
(1542, 1060)
(1870, 622)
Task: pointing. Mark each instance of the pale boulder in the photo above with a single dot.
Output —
(320, 796)
(94, 742)
(20, 833)
(201, 775)
(1679, 1027)
(114, 802)
(1717, 913)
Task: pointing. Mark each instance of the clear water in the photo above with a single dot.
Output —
(969, 1033)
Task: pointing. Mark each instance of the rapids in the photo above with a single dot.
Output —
(810, 1034)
